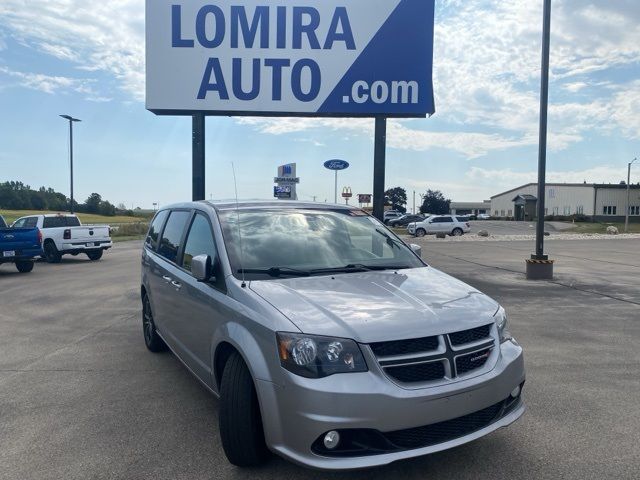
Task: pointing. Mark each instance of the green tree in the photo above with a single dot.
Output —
(434, 202)
(92, 204)
(396, 198)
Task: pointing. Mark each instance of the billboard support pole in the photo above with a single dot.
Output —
(335, 190)
(539, 267)
(379, 158)
(198, 156)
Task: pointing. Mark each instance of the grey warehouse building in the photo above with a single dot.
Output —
(469, 208)
(600, 202)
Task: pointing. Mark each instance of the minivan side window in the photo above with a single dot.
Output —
(154, 230)
(172, 234)
(199, 242)
(19, 223)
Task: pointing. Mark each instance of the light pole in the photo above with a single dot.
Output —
(71, 120)
(626, 215)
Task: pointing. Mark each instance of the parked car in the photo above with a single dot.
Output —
(65, 235)
(449, 224)
(404, 220)
(326, 338)
(390, 215)
(20, 246)
(484, 216)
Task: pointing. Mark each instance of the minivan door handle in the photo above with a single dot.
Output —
(178, 285)
(166, 279)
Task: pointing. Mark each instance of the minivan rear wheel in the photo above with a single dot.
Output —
(239, 418)
(151, 338)
(457, 232)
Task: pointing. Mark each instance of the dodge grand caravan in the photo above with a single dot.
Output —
(327, 339)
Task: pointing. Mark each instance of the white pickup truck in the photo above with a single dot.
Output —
(63, 234)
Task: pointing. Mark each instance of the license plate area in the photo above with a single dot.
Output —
(9, 253)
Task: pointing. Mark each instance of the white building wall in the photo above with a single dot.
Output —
(559, 200)
(615, 197)
(569, 200)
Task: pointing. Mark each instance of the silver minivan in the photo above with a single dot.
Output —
(327, 339)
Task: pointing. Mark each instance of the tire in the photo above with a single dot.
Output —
(457, 232)
(152, 340)
(421, 232)
(24, 267)
(94, 255)
(239, 419)
(51, 253)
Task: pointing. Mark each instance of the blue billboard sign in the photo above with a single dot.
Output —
(336, 165)
(295, 58)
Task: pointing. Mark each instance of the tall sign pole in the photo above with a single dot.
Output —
(379, 160)
(198, 156)
(539, 266)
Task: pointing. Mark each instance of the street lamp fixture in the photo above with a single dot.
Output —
(71, 121)
(626, 215)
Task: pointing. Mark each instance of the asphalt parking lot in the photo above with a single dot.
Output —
(81, 397)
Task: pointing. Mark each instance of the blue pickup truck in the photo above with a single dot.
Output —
(20, 246)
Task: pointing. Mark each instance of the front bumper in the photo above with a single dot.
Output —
(297, 413)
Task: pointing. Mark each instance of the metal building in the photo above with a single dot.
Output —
(468, 208)
(600, 202)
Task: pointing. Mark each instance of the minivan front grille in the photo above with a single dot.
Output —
(470, 336)
(419, 372)
(404, 347)
(436, 358)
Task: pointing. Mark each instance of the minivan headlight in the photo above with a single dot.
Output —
(501, 322)
(312, 356)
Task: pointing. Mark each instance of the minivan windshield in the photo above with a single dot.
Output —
(292, 242)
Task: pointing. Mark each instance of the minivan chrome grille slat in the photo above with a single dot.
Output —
(425, 360)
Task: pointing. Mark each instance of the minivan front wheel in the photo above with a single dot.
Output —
(239, 418)
(151, 338)
(421, 232)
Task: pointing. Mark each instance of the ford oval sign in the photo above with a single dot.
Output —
(336, 165)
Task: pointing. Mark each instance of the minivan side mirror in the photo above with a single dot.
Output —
(201, 268)
(417, 249)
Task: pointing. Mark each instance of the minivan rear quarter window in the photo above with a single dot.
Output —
(170, 241)
(154, 231)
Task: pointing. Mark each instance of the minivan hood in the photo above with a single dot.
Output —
(378, 306)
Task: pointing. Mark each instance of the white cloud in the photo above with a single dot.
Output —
(96, 36)
(44, 83)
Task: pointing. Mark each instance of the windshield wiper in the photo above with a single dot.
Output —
(276, 271)
(358, 267)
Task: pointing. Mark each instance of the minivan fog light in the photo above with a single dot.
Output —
(515, 392)
(331, 440)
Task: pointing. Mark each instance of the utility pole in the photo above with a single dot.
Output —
(539, 267)
(414, 202)
(71, 121)
(626, 215)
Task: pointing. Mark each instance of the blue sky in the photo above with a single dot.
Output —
(87, 59)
